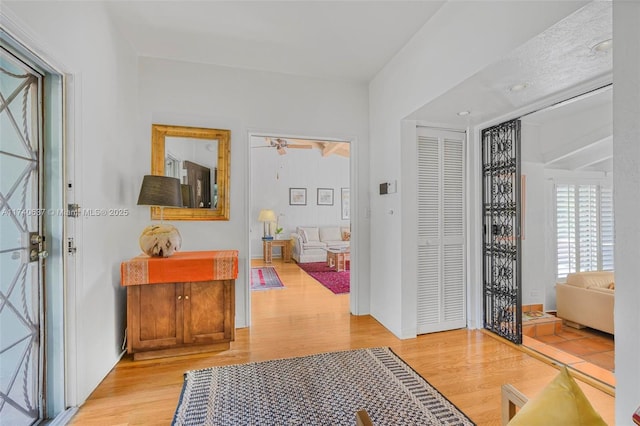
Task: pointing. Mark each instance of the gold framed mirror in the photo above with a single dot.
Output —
(201, 159)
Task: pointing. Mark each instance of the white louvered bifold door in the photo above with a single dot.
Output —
(441, 263)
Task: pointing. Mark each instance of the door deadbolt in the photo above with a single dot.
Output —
(36, 247)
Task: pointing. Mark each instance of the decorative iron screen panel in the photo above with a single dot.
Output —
(501, 189)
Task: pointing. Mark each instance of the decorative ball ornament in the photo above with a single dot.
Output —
(160, 240)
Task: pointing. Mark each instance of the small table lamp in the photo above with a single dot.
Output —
(160, 240)
(266, 216)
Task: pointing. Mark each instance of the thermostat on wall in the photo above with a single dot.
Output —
(388, 187)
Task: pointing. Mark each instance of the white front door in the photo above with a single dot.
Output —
(21, 265)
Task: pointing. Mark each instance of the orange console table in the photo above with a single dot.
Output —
(180, 305)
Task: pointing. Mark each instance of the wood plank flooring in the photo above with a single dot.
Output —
(467, 366)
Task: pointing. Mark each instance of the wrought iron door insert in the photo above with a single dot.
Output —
(501, 189)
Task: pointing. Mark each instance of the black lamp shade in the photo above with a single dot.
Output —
(160, 191)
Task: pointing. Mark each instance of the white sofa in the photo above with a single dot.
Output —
(310, 242)
(586, 300)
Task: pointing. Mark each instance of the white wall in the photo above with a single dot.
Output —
(273, 175)
(626, 157)
(534, 256)
(461, 39)
(104, 67)
(244, 101)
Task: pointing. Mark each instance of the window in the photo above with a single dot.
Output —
(584, 228)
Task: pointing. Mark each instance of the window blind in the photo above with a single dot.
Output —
(584, 228)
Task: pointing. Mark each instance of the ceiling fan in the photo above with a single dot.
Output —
(280, 144)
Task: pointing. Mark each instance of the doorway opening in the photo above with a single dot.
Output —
(568, 228)
(300, 213)
(558, 233)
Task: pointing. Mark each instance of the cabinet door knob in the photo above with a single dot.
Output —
(186, 297)
(179, 297)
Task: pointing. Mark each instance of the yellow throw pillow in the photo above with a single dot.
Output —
(562, 402)
(612, 285)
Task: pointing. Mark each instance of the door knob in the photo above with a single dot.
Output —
(36, 246)
(35, 254)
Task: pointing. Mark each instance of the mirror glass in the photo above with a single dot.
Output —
(195, 163)
(199, 157)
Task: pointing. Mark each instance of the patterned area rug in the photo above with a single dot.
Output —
(337, 282)
(265, 278)
(323, 389)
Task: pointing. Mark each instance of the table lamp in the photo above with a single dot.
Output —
(266, 216)
(160, 240)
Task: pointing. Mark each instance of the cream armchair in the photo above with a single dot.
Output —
(586, 300)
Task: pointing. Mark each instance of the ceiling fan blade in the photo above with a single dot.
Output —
(281, 151)
(300, 146)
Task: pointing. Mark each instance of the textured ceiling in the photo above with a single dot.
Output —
(557, 60)
(350, 40)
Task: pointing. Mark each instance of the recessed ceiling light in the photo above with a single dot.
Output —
(603, 46)
(518, 87)
(463, 113)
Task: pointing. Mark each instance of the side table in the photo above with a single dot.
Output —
(338, 258)
(267, 249)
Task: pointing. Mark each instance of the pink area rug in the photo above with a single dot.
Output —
(337, 282)
(265, 278)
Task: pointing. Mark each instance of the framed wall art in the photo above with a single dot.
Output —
(325, 196)
(297, 196)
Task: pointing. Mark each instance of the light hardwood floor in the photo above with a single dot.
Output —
(467, 366)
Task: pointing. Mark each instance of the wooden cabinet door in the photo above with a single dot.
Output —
(155, 316)
(208, 312)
